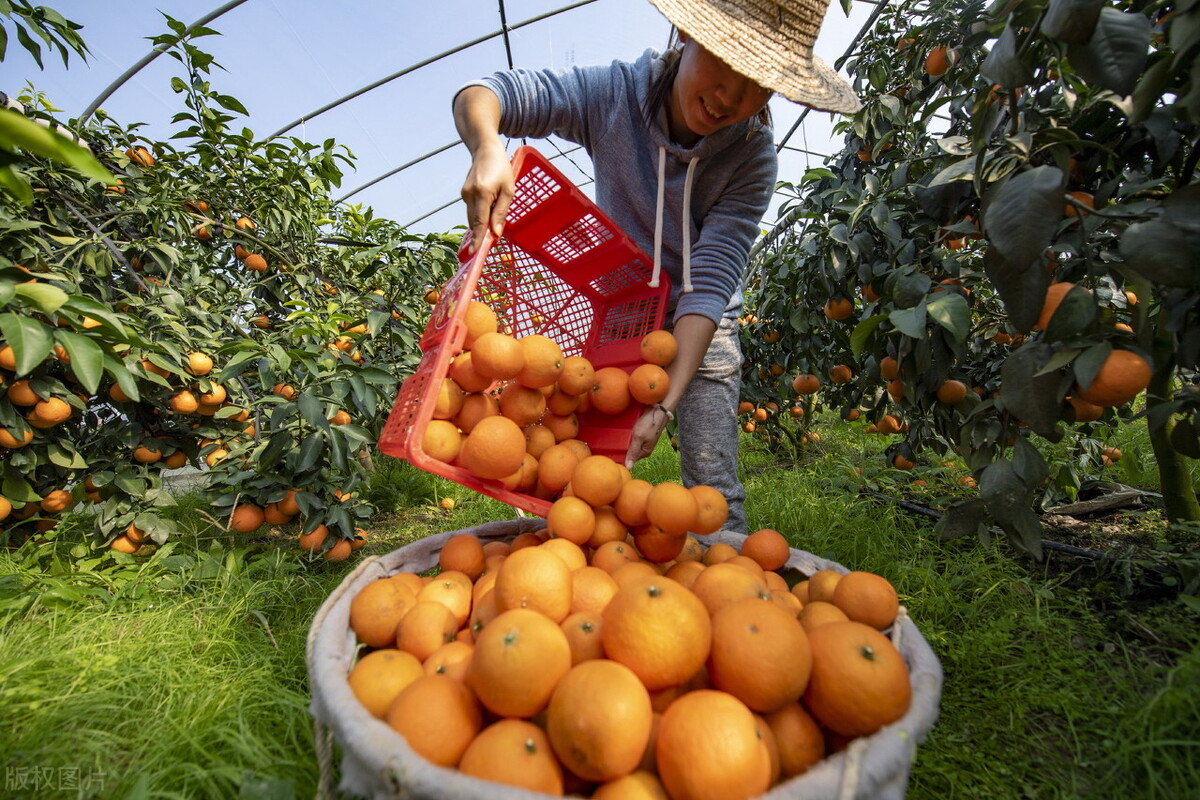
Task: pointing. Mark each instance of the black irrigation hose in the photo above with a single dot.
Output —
(916, 508)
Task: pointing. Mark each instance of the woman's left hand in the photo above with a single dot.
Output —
(646, 431)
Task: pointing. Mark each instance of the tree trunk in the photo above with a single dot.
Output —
(1179, 495)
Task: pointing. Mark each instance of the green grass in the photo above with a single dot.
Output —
(184, 676)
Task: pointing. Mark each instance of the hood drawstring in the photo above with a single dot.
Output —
(685, 214)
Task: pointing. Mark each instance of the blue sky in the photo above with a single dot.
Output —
(286, 58)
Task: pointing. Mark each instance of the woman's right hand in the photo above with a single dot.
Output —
(488, 191)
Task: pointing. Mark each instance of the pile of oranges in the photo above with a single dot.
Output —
(561, 667)
(509, 408)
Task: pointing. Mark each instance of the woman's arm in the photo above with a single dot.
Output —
(488, 189)
(693, 335)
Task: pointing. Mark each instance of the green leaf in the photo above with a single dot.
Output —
(1032, 398)
(1077, 310)
(909, 321)
(1162, 252)
(311, 450)
(1022, 288)
(1071, 21)
(30, 340)
(12, 182)
(862, 333)
(1021, 214)
(1088, 365)
(1003, 64)
(47, 298)
(16, 130)
(123, 377)
(312, 409)
(65, 456)
(962, 519)
(1115, 55)
(87, 307)
(950, 310)
(87, 358)
(1008, 499)
(16, 489)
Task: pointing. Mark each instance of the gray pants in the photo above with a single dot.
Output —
(707, 417)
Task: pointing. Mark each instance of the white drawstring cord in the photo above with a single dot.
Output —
(686, 215)
(658, 217)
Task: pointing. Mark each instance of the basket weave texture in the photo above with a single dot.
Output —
(377, 763)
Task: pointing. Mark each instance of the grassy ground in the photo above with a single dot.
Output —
(183, 676)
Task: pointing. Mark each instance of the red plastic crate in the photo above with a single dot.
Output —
(562, 269)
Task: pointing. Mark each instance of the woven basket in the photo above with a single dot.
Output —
(378, 763)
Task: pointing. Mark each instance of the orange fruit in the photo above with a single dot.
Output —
(514, 752)
(381, 675)
(462, 371)
(497, 356)
(806, 383)
(451, 660)
(543, 361)
(750, 565)
(608, 528)
(591, 589)
(556, 466)
(577, 376)
(199, 364)
(571, 554)
(859, 681)
(658, 629)
(146, 455)
(630, 505)
(476, 407)
(449, 400)
(708, 746)
(463, 553)
(563, 428)
(768, 548)
(760, 654)
(538, 439)
(840, 373)
(56, 501)
(442, 441)
(718, 553)
(798, 738)
(453, 590)
(657, 546)
(255, 262)
(723, 584)
(659, 348)
(521, 404)
(641, 784)
(520, 656)
(536, 579)
(672, 508)
(582, 629)
(937, 63)
(479, 319)
(839, 308)
(867, 598)
(611, 555)
(610, 392)
(376, 611)
(648, 384)
(1084, 198)
(425, 627)
(438, 717)
(597, 480)
(495, 448)
(951, 392)
(572, 519)
(561, 403)
(599, 720)
(1121, 378)
(19, 394)
(822, 583)
(313, 540)
(685, 572)
(288, 504)
(246, 518)
(271, 513)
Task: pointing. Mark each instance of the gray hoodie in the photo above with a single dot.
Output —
(725, 181)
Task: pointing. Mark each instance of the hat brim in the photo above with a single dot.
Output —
(763, 55)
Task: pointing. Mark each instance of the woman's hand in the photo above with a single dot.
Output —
(488, 190)
(646, 431)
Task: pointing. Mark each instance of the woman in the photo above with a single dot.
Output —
(685, 164)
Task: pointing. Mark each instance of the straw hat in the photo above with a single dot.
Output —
(768, 41)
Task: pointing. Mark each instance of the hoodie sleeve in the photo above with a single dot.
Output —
(571, 104)
(728, 230)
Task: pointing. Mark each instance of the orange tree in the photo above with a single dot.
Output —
(210, 306)
(1014, 213)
